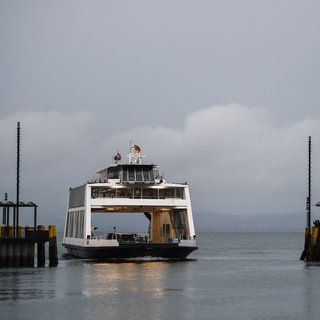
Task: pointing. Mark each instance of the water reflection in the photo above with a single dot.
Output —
(311, 283)
(130, 277)
(136, 290)
(19, 284)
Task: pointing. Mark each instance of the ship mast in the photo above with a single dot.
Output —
(134, 154)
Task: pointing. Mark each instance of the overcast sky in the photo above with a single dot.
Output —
(221, 94)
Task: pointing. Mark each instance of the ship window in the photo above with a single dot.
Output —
(179, 193)
(75, 224)
(171, 193)
(125, 174)
(76, 197)
(94, 193)
(150, 193)
(113, 173)
(137, 193)
(165, 230)
(124, 193)
(108, 192)
(156, 173)
(151, 175)
(146, 176)
(166, 193)
(179, 221)
(131, 174)
(138, 174)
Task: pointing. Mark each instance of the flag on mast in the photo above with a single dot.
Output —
(117, 157)
(136, 149)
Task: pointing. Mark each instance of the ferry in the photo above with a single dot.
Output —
(129, 189)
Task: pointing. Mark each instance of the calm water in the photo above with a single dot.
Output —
(232, 276)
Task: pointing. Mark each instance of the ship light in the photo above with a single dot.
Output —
(157, 187)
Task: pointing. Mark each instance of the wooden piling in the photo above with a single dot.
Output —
(23, 254)
(313, 250)
(53, 252)
(30, 254)
(16, 253)
(29, 249)
(41, 250)
(9, 254)
(3, 254)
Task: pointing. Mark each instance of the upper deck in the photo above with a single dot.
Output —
(132, 172)
(130, 184)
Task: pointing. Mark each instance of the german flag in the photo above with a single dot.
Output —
(136, 149)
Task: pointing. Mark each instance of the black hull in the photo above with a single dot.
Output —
(127, 251)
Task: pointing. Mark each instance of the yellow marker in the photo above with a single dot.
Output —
(19, 232)
(11, 231)
(52, 231)
(315, 233)
(307, 233)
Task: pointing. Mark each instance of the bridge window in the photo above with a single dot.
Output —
(131, 174)
(137, 173)
(113, 173)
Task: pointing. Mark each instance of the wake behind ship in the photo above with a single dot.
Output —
(129, 189)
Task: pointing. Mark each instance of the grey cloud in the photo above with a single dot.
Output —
(85, 77)
(235, 158)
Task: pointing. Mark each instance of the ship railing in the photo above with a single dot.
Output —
(185, 237)
(177, 238)
(95, 196)
(123, 237)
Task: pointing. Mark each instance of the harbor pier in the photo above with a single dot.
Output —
(18, 244)
(24, 246)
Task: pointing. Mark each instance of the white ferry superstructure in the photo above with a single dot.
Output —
(133, 187)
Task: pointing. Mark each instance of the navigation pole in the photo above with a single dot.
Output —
(18, 180)
(308, 207)
(308, 220)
